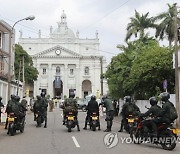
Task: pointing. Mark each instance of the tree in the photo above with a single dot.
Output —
(167, 24)
(138, 24)
(31, 73)
(140, 70)
(149, 70)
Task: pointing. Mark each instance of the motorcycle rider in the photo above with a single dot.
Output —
(128, 108)
(107, 103)
(44, 105)
(153, 112)
(8, 108)
(70, 104)
(92, 107)
(165, 115)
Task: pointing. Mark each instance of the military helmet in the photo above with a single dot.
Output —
(127, 99)
(164, 96)
(93, 97)
(71, 94)
(38, 97)
(17, 98)
(104, 97)
(13, 96)
(153, 101)
(43, 94)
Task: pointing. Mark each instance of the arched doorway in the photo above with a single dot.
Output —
(57, 88)
(86, 88)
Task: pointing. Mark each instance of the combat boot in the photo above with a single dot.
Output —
(85, 127)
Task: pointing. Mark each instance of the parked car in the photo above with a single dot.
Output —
(82, 104)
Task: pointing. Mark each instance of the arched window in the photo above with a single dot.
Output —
(57, 69)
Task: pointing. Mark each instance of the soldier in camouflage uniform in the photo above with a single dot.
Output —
(70, 104)
(44, 106)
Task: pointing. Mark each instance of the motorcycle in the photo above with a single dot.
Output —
(94, 121)
(14, 124)
(166, 134)
(70, 121)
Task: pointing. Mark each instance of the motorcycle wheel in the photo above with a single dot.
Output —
(11, 129)
(170, 145)
(94, 128)
(69, 126)
(135, 136)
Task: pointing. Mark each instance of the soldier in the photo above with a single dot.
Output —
(24, 102)
(153, 111)
(128, 108)
(70, 104)
(8, 108)
(106, 102)
(44, 105)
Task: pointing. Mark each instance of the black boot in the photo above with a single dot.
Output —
(45, 126)
(78, 128)
(85, 127)
(107, 130)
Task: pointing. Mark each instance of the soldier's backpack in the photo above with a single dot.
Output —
(15, 107)
(173, 112)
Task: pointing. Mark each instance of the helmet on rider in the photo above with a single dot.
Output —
(153, 101)
(38, 97)
(71, 94)
(13, 96)
(164, 96)
(17, 98)
(43, 94)
(127, 99)
(93, 98)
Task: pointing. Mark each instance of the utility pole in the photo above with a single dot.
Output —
(176, 65)
(23, 75)
(101, 62)
(19, 78)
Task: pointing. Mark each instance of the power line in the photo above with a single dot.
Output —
(108, 13)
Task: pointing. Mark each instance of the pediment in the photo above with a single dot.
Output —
(57, 51)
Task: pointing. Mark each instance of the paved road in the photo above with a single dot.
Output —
(56, 140)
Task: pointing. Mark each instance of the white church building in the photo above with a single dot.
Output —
(66, 62)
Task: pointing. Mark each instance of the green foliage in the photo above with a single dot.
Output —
(167, 24)
(30, 72)
(138, 24)
(140, 70)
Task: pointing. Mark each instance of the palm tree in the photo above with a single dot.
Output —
(138, 24)
(167, 24)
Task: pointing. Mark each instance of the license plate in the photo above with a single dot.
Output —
(70, 118)
(175, 131)
(94, 118)
(130, 120)
(10, 119)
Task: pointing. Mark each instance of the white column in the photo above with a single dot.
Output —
(78, 85)
(37, 83)
(50, 81)
(65, 85)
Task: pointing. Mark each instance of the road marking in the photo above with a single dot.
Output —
(75, 142)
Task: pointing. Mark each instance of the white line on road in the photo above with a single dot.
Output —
(75, 142)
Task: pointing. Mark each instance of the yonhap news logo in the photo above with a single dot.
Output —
(111, 140)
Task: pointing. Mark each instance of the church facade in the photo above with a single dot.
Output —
(66, 62)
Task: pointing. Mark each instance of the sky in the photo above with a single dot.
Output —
(108, 17)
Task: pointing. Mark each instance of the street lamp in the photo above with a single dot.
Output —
(10, 51)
